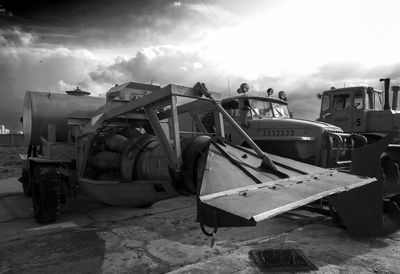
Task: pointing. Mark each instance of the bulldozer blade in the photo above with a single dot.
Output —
(366, 160)
(360, 210)
(252, 194)
(377, 218)
(377, 160)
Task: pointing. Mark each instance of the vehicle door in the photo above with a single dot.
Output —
(342, 110)
(359, 113)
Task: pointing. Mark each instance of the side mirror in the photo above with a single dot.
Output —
(291, 114)
(319, 95)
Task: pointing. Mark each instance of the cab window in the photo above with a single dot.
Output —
(245, 103)
(280, 110)
(261, 109)
(378, 101)
(358, 99)
(341, 101)
(325, 102)
(232, 107)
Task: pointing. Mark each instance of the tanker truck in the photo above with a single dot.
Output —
(129, 149)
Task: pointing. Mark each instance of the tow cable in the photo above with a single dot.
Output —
(214, 232)
(209, 234)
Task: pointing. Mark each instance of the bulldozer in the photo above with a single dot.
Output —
(367, 111)
(129, 149)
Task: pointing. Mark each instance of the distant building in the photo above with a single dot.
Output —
(4, 130)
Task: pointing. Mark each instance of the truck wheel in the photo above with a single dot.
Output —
(45, 194)
(63, 191)
(26, 183)
(194, 163)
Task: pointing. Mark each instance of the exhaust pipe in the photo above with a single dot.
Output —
(387, 85)
(395, 90)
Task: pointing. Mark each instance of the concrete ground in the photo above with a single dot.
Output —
(92, 238)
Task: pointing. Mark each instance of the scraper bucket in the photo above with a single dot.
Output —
(235, 189)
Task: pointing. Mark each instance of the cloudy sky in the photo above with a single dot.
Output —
(302, 47)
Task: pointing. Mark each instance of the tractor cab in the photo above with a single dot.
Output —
(348, 107)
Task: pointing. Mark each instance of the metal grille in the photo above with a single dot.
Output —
(281, 260)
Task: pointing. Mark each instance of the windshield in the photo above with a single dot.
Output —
(374, 100)
(378, 101)
(260, 109)
(280, 110)
(255, 108)
(265, 109)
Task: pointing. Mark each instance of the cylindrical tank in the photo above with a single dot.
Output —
(144, 175)
(44, 108)
(116, 142)
(106, 160)
(145, 159)
(152, 163)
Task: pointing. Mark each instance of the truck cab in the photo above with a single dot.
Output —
(367, 111)
(269, 123)
(360, 109)
(348, 108)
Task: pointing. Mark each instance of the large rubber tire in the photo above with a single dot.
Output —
(208, 122)
(194, 159)
(45, 194)
(26, 183)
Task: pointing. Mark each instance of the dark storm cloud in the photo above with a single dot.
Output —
(23, 67)
(13, 37)
(103, 22)
(163, 65)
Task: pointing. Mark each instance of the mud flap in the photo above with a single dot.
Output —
(245, 193)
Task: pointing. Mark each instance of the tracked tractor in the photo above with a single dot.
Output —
(367, 111)
(130, 150)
